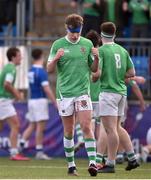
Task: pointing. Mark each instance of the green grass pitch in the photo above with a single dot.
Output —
(57, 169)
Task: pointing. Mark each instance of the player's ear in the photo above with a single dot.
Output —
(65, 26)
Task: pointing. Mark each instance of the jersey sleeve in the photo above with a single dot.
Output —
(43, 76)
(10, 75)
(132, 82)
(53, 52)
(130, 64)
(100, 59)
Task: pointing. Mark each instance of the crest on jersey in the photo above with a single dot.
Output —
(83, 50)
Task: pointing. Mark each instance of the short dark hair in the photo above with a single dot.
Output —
(94, 37)
(36, 54)
(73, 21)
(108, 28)
(11, 52)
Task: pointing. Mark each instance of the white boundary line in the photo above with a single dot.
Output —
(58, 167)
(71, 179)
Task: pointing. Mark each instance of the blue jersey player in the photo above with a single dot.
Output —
(38, 103)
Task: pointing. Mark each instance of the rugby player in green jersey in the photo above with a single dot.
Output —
(7, 93)
(115, 66)
(75, 58)
(125, 144)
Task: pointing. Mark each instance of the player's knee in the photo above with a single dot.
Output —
(110, 131)
(15, 125)
(86, 129)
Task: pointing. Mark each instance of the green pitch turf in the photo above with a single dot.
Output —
(56, 169)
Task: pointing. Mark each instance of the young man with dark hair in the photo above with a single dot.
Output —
(115, 66)
(75, 57)
(7, 93)
(38, 103)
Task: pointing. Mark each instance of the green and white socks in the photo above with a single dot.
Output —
(99, 158)
(90, 146)
(69, 151)
(131, 156)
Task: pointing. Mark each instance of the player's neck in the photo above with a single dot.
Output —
(12, 62)
(107, 40)
(38, 62)
(67, 38)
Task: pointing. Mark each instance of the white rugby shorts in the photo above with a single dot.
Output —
(38, 110)
(111, 104)
(6, 108)
(67, 106)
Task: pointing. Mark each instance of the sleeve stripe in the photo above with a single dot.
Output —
(9, 78)
(45, 83)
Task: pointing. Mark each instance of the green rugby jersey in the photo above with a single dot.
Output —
(95, 90)
(114, 63)
(73, 69)
(11, 70)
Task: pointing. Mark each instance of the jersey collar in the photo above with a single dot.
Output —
(66, 37)
(110, 43)
(37, 65)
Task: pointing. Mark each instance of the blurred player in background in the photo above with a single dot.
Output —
(146, 150)
(38, 112)
(136, 90)
(94, 93)
(75, 57)
(7, 93)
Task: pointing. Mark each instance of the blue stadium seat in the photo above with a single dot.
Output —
(4, 30)
(141, 64)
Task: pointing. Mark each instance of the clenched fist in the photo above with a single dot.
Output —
(95, 52)
(59, 53)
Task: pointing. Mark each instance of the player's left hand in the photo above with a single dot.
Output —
(140, 79)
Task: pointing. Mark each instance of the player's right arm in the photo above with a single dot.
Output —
(96, 76)
(54, 57)
(136, 90)
(50, 94)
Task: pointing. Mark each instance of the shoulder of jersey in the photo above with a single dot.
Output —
(10, 66)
